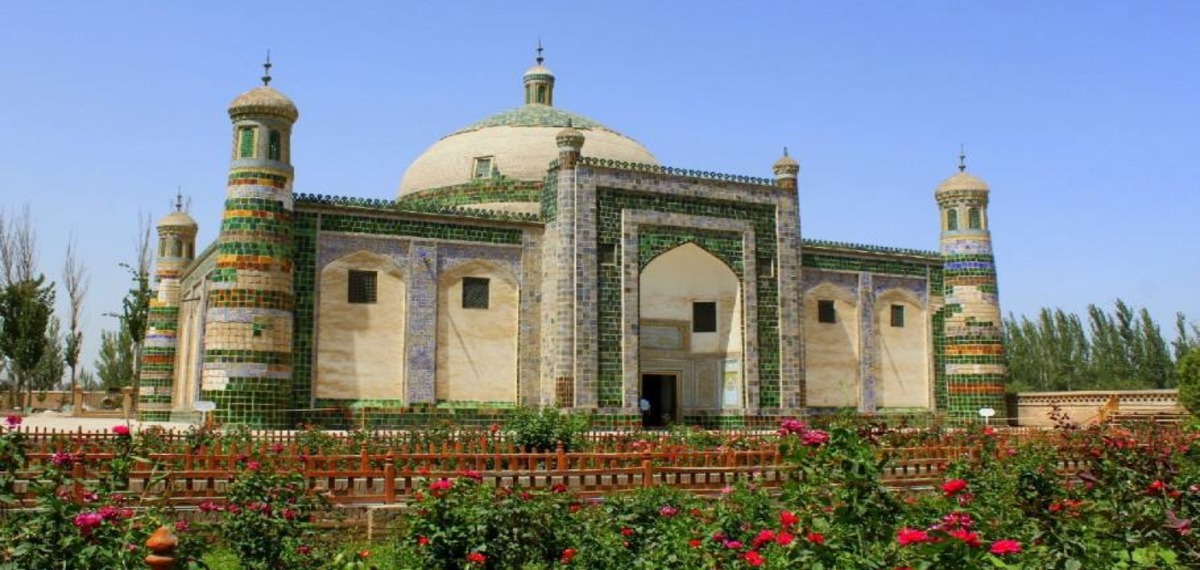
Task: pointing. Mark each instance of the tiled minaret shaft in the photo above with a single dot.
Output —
(176, 249)
(972, 346)
(249, 316)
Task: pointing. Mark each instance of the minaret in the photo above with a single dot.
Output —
(249, 315)
(176, 250)
(973, 349)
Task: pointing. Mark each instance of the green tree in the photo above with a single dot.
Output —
(114, 365)
(49, 371)
(25, 310)
(1187, 371)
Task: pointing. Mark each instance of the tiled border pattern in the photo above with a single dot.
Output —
(648, 234)
(611, 202)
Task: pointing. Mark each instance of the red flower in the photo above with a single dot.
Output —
(816, 538)
(753, 558)
(626, 531)
(785, 538)
(953, 486)
(1156, 487)
(567, 556)
(12, 421)
(763, 538)
(908, 536)
(1005, 547)
(440, 485)
(364, 554)
(694, 543)
(422, 540)
(788, 519)
(814, 438)
(121, 430)
(971, 539)
(181, 526)
(476, 558)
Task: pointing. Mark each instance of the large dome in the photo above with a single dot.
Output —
(515, 144)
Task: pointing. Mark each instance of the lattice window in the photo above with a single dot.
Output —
(363, 287)
(952, 220)
(476, 292)
(898, 316)
(974, 219)
(246, 142)
(483, 167)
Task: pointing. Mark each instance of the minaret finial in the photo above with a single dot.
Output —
(962, 157)
(785, 150)
(178, 198)
(540, 59)
(266, 78)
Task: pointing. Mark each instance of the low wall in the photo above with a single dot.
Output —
(1033, 408)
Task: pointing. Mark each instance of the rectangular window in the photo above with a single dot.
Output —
(825, 312)
(898, 316)
(246, 142)
(766, 266)
(475, 292)
(608, 254)
(483, 167)
(273, 145)
(704, 317)
(363, 287)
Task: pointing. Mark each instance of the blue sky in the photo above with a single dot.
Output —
(1082, 116)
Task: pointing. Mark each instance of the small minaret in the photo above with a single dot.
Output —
(176, 250)
(973, 349)
(249, 315)
(539, 82)
(786, 170)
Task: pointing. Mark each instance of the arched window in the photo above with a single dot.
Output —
(246, 142)
(176, 248)
(162, 247)
(974, 221)
(951, 220)
(541, 94)
(273, 145)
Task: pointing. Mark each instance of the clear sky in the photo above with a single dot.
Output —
(1083, 116)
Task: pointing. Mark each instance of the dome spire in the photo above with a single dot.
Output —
(962, 157)
(178, 198)
(266, 78)
(539, 81)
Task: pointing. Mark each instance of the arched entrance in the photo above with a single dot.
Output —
(690, 336)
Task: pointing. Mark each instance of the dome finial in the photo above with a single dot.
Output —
(785, 150)
(962, 157)
(266, 78)
(540, 59)
(178, 198)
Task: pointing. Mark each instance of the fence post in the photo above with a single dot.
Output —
(562, 457)
(389, 478)
(162, 549)
(647, 473)
(77, 478)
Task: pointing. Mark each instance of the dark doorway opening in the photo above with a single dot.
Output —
(658, 400)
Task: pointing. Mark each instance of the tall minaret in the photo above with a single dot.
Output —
(176, 250)
(248, 319)
(973, 349)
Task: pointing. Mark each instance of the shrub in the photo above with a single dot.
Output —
(543, 429)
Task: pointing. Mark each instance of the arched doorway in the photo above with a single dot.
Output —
(690, 336)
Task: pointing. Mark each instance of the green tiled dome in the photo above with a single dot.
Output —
(535, 116)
